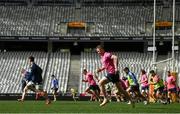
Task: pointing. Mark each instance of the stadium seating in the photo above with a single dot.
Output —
(10, 69)
(108, 20)
(12, 63)
(59, 65)
(120, 1)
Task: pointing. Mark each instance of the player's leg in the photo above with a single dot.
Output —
(88, 90)
(160, 95)
(23, 85)
(96, 93)
(26, 88)
(39, 90)
(54, 94)
(154, 95)
(147, 93)
(45, 95)
(140, 95)
(117, 97)
(172, 95)
(102, 84)
(109, 95)
(144, 91)
(169, 97)
(121, 90)
(23, 94)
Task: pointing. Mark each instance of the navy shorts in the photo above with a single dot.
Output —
(145, 88)
(160, 89)
(113, 77)
(172, 90)
(94, 87)
(134, 88)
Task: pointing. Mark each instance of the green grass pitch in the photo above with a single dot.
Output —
(84, 107)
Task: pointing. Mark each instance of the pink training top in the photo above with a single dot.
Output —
(171, 82)
(108, 62)
(126, 83)
(144, 80)
(123, 85)
(90, 79)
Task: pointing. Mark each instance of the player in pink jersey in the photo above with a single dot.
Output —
(93, 88)
(126, 82)
(171, 85)
(110, 64)
(144, 83)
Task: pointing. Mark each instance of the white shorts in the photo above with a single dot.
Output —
(39, 87)
(30, 83)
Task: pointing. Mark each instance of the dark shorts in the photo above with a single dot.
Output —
(165, 91)
(23, 84)
(160, 89)
(134, 88)
(108, 92)
(55, 90)
(113, 77)
(173, 90)
(145, 88)
(94, 87)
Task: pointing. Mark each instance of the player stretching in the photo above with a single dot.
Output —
(110, 63)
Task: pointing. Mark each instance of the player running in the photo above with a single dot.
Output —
(93, 88)
(34, 81)
(144, 83)
(171, 86)
(110, 64)
(134, 86)
(158, 87)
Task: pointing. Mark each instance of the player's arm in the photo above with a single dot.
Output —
(173, 80)
(33, 69)
(154, 83)
(115, 61)
(96, 77)
(145, 80)
(100, 69)
(151, 82)
(132, 77)
(84, 80)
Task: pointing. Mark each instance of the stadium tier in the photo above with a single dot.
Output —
(11, 66)
(13, 62)
(110, 20)
(78, 22)
(59, 65)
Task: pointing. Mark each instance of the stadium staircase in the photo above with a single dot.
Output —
(73, 81)
(46, 68)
